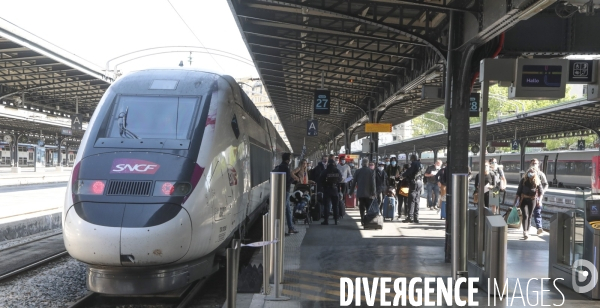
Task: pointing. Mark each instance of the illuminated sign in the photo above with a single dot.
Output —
(541, 76)
(322, 101)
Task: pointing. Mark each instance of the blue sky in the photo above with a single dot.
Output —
(98, 31)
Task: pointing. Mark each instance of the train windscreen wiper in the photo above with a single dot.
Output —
(123, 131)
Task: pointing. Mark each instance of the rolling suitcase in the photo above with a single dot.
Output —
(315, 207)
(351, 201)
(373, 220)
(390, 207)
(341, 209)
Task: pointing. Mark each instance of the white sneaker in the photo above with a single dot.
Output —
(540, 231)
(525, 235)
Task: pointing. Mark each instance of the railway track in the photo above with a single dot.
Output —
(24, 257)
(181, 300)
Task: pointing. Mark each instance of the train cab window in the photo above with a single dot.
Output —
(149, 117)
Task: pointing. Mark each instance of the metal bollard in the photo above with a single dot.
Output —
(276, 277)
(231, 288)
(266, 250)
(277, 211)
(460, 198)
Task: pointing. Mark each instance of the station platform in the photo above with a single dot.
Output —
(28, 176)
(31, 202)
(318, 256)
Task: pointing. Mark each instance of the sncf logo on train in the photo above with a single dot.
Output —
(126, 165)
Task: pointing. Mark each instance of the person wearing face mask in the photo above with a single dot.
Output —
(414, 174)
(346, 175)
(537, 210)
(432, 188)
(393, 171)
(403, 190)
(381, 184)
(488, 182)
(529, 193)
(387, 162)
(315, 172)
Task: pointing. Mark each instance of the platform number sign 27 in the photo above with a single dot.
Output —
(474, 105)
(322, 102)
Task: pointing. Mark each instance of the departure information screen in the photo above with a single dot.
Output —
(541, 76)
(592, 208)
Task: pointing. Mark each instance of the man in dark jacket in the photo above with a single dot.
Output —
(330, 178)
(414, 174)
(315, 173)
(285, 167)
(381, 179)
(365, 187)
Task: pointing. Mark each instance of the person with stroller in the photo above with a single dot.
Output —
(300, 174)
(528, 195)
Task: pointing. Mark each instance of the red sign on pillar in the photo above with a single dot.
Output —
(596, 174)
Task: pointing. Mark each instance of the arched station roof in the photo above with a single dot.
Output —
(46, 81)
(372, 55)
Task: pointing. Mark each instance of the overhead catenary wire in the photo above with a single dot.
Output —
(194, 34)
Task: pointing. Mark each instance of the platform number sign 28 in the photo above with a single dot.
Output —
(474, 105)
(322, 102)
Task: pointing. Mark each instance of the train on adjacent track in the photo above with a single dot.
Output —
(563, 168)
(174, 164)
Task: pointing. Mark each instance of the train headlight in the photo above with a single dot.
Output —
(89, 187)
(168, 188)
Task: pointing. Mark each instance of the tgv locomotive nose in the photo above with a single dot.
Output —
(122, 215)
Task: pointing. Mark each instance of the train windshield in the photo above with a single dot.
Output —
(152, 117)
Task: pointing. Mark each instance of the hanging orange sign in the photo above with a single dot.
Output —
(378, 127)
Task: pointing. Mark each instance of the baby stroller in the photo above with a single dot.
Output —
(302, 199)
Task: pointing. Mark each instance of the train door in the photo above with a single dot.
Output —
(545, 164)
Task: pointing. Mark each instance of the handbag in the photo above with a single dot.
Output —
(476, 196)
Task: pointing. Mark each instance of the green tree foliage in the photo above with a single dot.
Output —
(500, 106)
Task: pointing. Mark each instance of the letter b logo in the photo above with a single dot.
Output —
(581, 276)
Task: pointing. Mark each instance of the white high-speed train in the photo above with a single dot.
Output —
(174, 164)
(562, 168)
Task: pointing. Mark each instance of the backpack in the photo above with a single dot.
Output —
(276, 169)
(333, 178)
(420, 173)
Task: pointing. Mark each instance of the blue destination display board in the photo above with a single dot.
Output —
(541, 76)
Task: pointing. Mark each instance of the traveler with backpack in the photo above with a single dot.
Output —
(285, 167)
(331, 177)
(414, 174)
